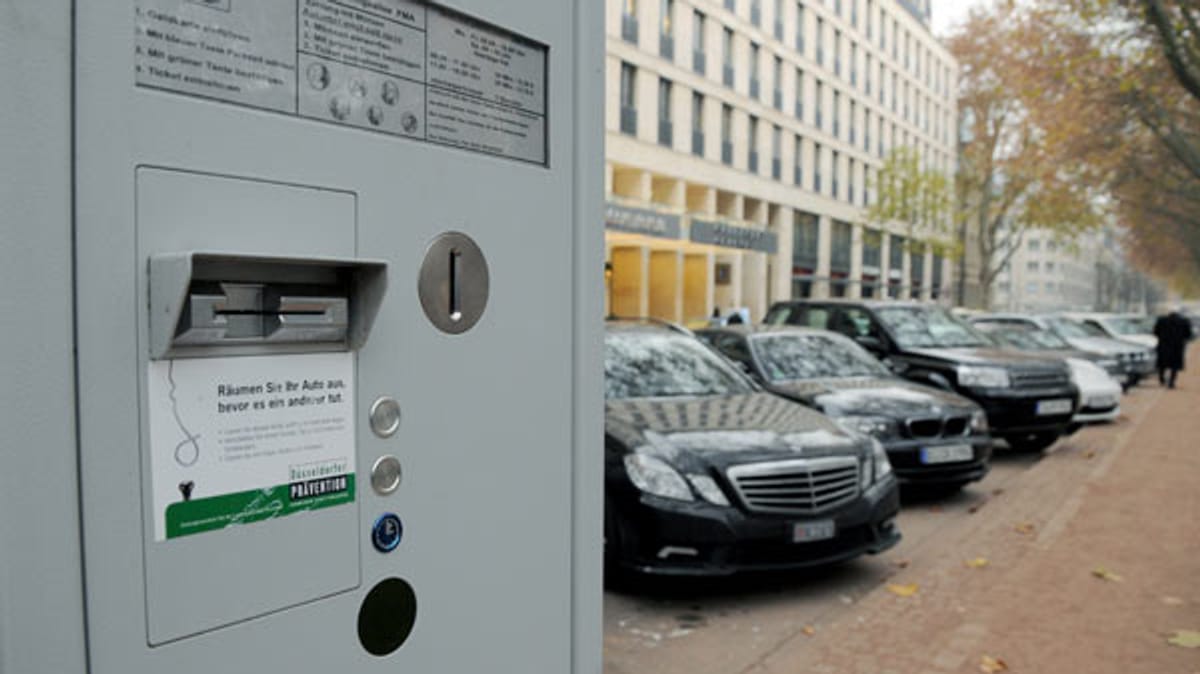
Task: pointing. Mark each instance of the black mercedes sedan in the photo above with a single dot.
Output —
(707, 474)
(932, 436)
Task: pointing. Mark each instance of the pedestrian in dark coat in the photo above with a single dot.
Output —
(1173, 332)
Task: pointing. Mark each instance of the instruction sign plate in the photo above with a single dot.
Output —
(239, 440)
(398, 67)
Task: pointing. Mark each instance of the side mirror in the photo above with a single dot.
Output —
(870, 343)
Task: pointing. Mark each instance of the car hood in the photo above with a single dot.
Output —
(983, 356)
(721, 431)
(1091, 380)
(1147, 341)
(888, 397)
(1103, 345)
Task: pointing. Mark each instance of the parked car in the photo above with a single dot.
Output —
(1099, 392)
(1126, 328)
(932, 436)
(1029, 400)
(1128, 363)
(707, 474)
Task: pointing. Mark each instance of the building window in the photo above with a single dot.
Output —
(1034, 245)
(836, 114)
(628, 99)
(798, 163)
(666, 29)
(867, 73)
(697, 124)
(866, 129)
(835, 170)
(756, 12)
(837, 52)
(1032, 266)
(1049, 266)
(777, 83)
(726, 134)
(820, 41)
(917, 267)
(843, 242)
(799, 95)
(754, 69)
(800, 27)
(776, 152)
(818, 100)
(1031, 288)
(806, 243)
(853, 124)
(665, 129)
(629, 22)
(698, 49)
(853, 64)
(731, 5)
(872, 256)
(752, 145)
(850, 181)
(779, 20)
(817, 152)
(727, 56)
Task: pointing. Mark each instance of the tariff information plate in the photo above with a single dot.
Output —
(398, 67)
(242, 439)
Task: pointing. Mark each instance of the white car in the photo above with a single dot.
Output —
(1099, 393)
(1117, 326)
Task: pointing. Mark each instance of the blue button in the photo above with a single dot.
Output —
(387, 532)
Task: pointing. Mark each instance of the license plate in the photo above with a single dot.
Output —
(946, 454)
(1058, 406)
(807, 532)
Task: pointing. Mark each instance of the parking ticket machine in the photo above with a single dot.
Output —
(301, 340)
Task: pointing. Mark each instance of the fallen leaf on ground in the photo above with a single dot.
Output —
(1172, 601)
(1091, 453)
(991, 665)
(809, 630)
(1185, 639)
(975, 508)
(997, 492)
(902, 590)
(1024, 528)
(935, 509)
(901, 563)
(977, 563)
(1104, 574)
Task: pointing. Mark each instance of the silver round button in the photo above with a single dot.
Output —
(386, 475)
(385, 417)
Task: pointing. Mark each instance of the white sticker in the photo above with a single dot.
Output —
(242, 439)
(398, 67)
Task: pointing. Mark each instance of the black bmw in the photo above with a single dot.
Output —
(932, 436)
(706, 474)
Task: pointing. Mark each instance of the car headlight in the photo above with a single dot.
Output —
(983, 377)
(874, 427)
(707, 487)
(979, 423)
(877, 467)
(655, 476)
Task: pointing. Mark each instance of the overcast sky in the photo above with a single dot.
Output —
(949, 12)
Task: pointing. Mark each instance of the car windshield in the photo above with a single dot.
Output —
(916, 327)
(653, 365)
(1124, 326)
(1070, 329)
(1024, 338)
(788, 357)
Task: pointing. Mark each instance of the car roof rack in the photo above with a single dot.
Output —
(670, 325)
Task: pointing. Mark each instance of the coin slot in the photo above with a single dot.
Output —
(455, 285)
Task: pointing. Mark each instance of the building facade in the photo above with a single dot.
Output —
(743, 141)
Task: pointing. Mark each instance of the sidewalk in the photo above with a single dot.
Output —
(1092, 562)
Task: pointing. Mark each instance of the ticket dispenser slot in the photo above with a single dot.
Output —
(252, 440)
(206, 302)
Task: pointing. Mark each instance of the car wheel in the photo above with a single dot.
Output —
(1034, 442)
(614, 576)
